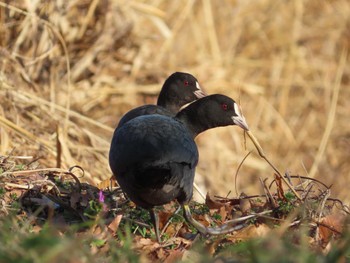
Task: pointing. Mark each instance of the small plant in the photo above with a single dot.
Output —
(2, 191)
(93, 209)
(63, 184)
(142, 231)
(217, 216)
(177, 218)
(124, 252)
(13, 196)
(98, 243)
(200, 209)
(20, 167)
(286, 206)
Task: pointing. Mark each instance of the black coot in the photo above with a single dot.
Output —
(179, 89)
(154, 157)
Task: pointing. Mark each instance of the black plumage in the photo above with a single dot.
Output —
(154, 157)
(178, 89)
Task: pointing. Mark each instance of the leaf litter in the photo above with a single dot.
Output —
(57, 197)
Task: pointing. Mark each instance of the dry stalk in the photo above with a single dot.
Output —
(262, 155)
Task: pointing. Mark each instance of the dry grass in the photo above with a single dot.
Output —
(68, 72)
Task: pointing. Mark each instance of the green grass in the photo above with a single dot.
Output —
(21, 242)
(275, 249)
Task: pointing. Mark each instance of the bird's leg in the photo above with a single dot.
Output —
(226, 228)
(155, 221)
(187, 214)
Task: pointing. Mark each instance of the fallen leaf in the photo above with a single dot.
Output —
(114, 225)
(280, 191)
(175, 255)
(244, 205)
(145, 244)
(211, 203)
(160, 253)
(251, 231)
(105, 184)
(223, 213)
(74, 199)
(84, 201)
(330, 226)
(164, 217)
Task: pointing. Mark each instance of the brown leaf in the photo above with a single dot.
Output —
(244, 205)
(74, 199)
(114, 225)
(211, 203)
(145, 244)
(223, 213)
(84, 201)
(12, 192)
(203, 219)
(160, 253)
(280, 191)
(36, 229)
(251, 231)
(330, 226)
(172, 229)
(106, 183)
(211, 247)
(163, 216)
(175, 255)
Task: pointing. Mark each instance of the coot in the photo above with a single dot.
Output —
(154, 157)
(179, 89)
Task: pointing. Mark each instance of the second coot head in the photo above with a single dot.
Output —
(179, 89)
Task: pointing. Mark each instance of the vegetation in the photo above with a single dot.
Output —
(69, 71)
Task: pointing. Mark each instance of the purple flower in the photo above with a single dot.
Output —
(101, 197)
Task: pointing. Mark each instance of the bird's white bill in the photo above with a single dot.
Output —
(199, 93)
(239, 120)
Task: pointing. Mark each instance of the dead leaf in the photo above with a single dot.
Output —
(244, 205)
(173, 229)
(145, 244)
(251, 231)
(175, 255)
(280, 192)
(84, 201)
(203, 219)
(114, 225)
(163, 216)
(160, 253)
(105, 184)
(211, 203)
(223, 213)
(330, 226)
(74, 199)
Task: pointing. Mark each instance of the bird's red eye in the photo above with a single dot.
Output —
(224, 106)
(186, 83)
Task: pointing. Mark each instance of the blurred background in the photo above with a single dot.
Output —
(70, 69)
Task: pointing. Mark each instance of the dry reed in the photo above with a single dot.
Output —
(69, 70)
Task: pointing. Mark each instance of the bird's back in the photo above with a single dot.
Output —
(148, 109)
(153, 158)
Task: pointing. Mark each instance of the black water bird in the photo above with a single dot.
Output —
(179, 89)
(154, 157)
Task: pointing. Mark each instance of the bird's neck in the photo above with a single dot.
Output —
(173, 108)
(194, 123)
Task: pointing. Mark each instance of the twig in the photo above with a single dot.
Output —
(268, 193)
(196, 187)
(262, 155)
(306, 178)
(239, 167)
